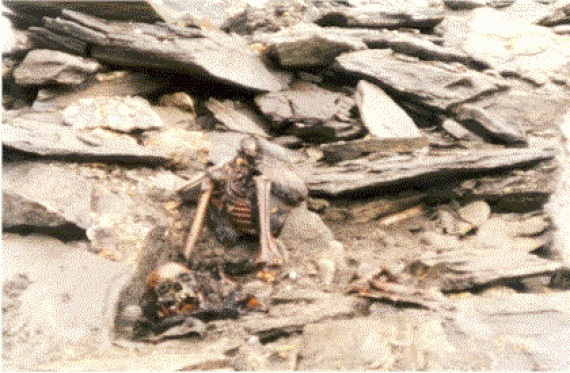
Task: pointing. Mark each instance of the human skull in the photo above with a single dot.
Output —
(174, 289)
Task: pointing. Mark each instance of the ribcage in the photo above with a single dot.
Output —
(235, 197)
(242, 212)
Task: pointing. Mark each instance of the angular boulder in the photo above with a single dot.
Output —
(306, 45)
(122, 114)
(43, 66)
(510, 45)
(433, 84)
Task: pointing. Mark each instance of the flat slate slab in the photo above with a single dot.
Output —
(121, 114)
(209, 14)
(488, 125)
(410, 341)
(364, 175)
(519, 331)
(113, 84)
(138, 10)
(58, 300)
(382, 117)
(45, 135)
(38, 195)
(42, 66)
(390, 14)
(418, 45)
(182, 356)
(209, 54)
(308, 45)
(237, 117)
(433, 84)
(329, 307)
(510, 45)
(309, 111)
(463, 269)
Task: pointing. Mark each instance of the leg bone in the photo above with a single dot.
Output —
(269, 252)
(199, 217)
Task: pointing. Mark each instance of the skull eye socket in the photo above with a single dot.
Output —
(163, 288)
(177, 286)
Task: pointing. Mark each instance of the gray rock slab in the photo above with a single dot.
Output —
(188, 148)
(394, 14)
(528, 226)
(510, 45)
(269, 16)
(309, 111)
(523, 190)
(363, 175)
(138, 11)
(46, 135)
(457, 131)
(58, 300)
(160, 184)
(464, 269)
(432, 84)
(251, 357)
(559, 16)
(43, 187)
(396, 3)
(382, 117)
(486, 125)
(416, 45)
(290, 318)
(465, 4)
(214, 13)
(518, 331)
(236, 117)
(203, 53)
(42, 66)
(529, 111)
(312, 244)
(122, 114)
(113, 84)
(500, 233)
(302, 102)
(346, 345)
(168, 356)
(334, 152)
(500, 3)
(306, 45)
(411, 340)
(50, 193)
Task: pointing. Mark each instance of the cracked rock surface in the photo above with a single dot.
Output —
(428, 142)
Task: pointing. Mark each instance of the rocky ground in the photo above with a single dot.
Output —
(431, 135)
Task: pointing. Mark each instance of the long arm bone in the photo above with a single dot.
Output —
(199, 217)
(189, 190)
(269, 252)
